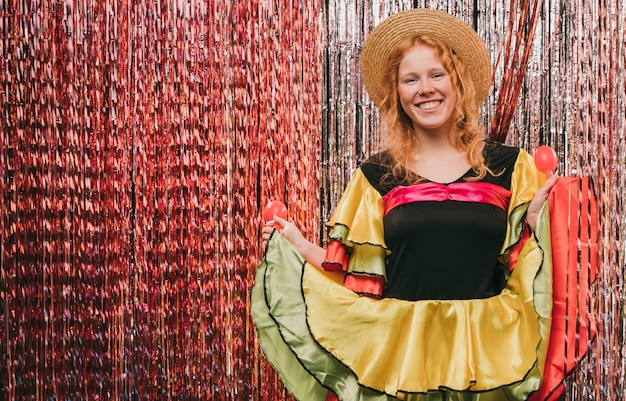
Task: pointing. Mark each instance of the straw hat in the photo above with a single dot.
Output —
(458, 35)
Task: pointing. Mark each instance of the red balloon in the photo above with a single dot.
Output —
(275, 208)
(545, 159)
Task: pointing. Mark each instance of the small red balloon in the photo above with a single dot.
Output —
(545, 159)
(275, 208)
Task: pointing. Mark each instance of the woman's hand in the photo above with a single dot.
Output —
(540, 197)
(310, 252)
(286, 228)
(267, 230)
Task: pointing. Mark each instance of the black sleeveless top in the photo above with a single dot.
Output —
(445, 248)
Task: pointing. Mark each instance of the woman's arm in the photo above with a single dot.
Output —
(540, 197)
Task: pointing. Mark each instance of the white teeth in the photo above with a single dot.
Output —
(429, 105)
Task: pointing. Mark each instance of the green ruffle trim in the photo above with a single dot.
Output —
(279, 315)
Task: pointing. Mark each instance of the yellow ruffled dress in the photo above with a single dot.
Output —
(321, 336)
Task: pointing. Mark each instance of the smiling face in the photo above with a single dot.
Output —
(426, 91)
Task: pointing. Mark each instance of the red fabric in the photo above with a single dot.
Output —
(337, 257)
(574, 230)
(479, 192)
(365, 285)
(330, 396)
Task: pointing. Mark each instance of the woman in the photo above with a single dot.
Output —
(433, 284)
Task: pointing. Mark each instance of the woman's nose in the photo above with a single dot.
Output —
(426, 88)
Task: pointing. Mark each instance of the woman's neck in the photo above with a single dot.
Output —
(436, 141)
(447, 130)
(437, 158)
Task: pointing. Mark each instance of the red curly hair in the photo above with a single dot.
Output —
(401, 139)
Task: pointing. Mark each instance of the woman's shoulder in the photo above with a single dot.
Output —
(495, 147)
(501, 160)
(378, 160)
(376, 168)
(499, 155)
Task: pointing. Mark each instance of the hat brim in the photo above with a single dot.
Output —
(455, 33)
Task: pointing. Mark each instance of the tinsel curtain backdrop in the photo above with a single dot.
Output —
(141, 140)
